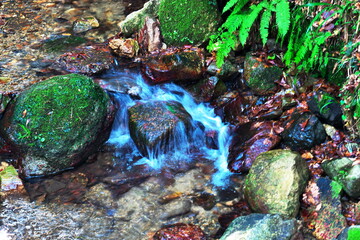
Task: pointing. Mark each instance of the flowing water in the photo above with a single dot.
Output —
(203, 120)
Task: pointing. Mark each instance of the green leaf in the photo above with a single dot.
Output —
(233, 22)
(239, 5)
(248, 22)
(283, 17)
(264, 26)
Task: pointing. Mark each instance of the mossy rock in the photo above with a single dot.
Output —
(275, 182)
(62, 43)
(57, 123)
(259, 77)
(187, 21)
(136, 20)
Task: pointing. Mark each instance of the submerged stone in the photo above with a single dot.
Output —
(180, 231)
(86, 60)
(262, 227)
(303, 131)
(85, 24)
(261, 78)
(62, 43)
(57, 123)
(275, 182)
(187, 22)
(153, 126)
(173, 65)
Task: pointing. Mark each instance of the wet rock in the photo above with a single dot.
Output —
(248, 142)
(205, 200)
(323, 211)
(85, 24)
(262, 227)
(62, 43)
(173, 65)
(135, 20)
(224, 73)
(87, 60)
(326, 108)
(176, 208)
(187, 22)
(207, 89)
(275, 182)
(350, 233)
(259, 77)
(11, 184)
(303, 131)
(346, 173)
(153, 125)
(57, 123)
(124, 47)
(180, 231)
(149, 36)
(4, 100)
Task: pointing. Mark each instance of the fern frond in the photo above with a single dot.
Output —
(248, 22)
(264, 26)
(233, 22)
(283, 17)
(302, 50)
(239, 5)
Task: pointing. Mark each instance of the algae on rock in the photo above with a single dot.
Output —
(57, 123)
(187, 21)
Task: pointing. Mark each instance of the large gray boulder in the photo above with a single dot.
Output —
(275, 182)
(57, 123)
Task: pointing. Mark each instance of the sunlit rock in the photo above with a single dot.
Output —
(158, 126)
(323, 209)
(57, 123)
(275, 182)
(180, 231)
(263, 227)
(261, 78)
(124, 47)
(11, 184)
(303, 131)
(149, 36)
(173, 65)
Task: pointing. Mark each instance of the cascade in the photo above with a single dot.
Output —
(120, 83)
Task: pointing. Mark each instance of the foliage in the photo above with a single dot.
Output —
(240, 21)
(353, 234)
(336, 189)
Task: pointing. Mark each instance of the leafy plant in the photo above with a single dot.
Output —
(336, 189)
(237, 26)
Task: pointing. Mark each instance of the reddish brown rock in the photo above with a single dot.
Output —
(174, 64)
(87, 60)
(322, 209)
(180, 231)
(149, 37)
(124, 47)
(250, 140)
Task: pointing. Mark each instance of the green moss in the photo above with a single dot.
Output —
(45, 114)
(62, 43)
(354, 234)
(187, 21)
(335, 189)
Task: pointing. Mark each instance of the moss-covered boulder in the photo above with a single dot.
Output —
(57, 123)
(136, 20)
(187, 21)
(350, 233)
(158, 127)
(275, 182)
(262, 227)
(260, 77)
(347, 175)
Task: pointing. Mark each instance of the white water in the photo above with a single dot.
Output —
(181, 144)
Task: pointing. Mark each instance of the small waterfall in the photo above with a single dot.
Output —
(180, 143)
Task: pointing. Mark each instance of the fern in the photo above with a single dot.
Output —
(248, 22)
(283, 17)
(239, 5)
(264, 26)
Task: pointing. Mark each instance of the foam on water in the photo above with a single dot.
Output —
(179, 143)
